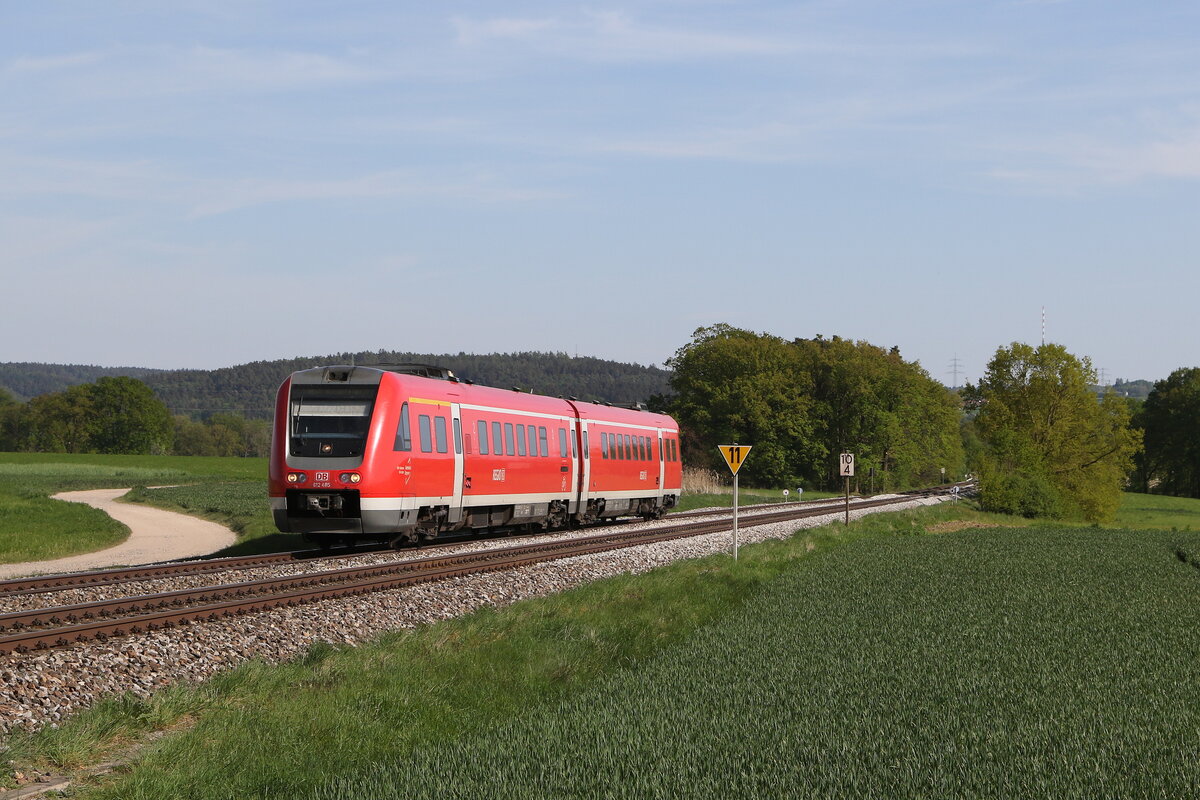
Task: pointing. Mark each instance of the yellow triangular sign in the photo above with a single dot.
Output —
(735, 455)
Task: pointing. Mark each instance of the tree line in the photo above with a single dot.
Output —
(1034, 430)
(803, 402)
(248, 390)
(122, 415)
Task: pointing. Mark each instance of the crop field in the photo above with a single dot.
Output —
(884, 660)
(1035, 662)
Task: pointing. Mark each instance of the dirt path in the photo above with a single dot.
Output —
(155, 535)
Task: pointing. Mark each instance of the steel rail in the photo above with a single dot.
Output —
(350, 581)
(42, 584)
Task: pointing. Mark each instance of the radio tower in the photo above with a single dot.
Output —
(1043, 326)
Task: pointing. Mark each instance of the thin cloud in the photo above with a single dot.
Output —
(168, 70)
(611, 36)
(222, 197)
(1077, 163)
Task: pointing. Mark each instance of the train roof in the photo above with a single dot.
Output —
(441, 384)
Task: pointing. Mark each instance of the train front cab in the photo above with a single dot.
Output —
(322, 426)
(369, 452)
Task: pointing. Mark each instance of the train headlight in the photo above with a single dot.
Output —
(296, 477)
(350, 477)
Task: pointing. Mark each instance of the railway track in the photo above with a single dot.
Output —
(39, 629)
(109, 577)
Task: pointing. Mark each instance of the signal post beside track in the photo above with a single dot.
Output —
(846, 470)
(735, 455)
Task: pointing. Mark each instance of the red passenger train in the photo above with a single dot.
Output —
(405, 453)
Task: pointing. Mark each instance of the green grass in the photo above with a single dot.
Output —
(1158, 511)
(879, 661)
(1036, 662)
(270, 732)
(38, 529)
(34, 527)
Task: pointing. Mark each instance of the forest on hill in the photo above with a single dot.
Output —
(248, 390)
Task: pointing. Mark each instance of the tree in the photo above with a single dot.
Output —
(1170, 419)
(129, 418)
(62, 422)
(803, 402)
(10, 421)
(732, 385)
(1051, 448)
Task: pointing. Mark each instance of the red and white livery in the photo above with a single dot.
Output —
(409, 452)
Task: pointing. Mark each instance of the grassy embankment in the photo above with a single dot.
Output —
(915, 654)
(35, 527)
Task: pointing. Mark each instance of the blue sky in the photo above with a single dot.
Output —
(201, 184)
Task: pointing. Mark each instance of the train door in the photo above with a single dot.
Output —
(456, 505)
(585, 467)
(662, 467)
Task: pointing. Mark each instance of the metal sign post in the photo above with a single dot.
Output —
(735, 456)
(847, 472)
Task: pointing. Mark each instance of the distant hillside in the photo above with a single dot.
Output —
(27, 380)
(249, 389)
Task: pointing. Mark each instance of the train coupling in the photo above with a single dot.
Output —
(324, 502)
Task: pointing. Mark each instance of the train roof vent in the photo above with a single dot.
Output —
(422, 370)
(630, 406)
(337, 374)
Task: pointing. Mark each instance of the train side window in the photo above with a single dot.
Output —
(533, 441)
(439, 434)
(642, 448)
(423, 430)
(649, 448)
(403, 431)
(509, 450)
(603, 444)
(497, 439)
(586, 453)
(621, 447)
(628, 446)
(562, 442)
(458, 439)
(573, 453)
(481, 428)
(674, 450)
(543, 441)
(521, 440)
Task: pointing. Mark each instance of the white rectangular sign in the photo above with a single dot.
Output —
(847, 463)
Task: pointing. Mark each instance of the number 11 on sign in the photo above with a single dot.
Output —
(735, 456)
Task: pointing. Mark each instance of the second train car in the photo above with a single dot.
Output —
(406, 453)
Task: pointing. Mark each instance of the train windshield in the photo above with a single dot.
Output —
(331, 421)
